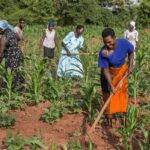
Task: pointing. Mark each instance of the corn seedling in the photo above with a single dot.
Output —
(55, 112)
(129, 127)
(90, 100)
(34, 76)
(17, 142)
(9, 83)
(6, 120)
(145, 142)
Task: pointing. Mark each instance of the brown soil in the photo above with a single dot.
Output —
(28, 124)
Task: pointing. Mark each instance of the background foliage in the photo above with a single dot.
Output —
(68, 12)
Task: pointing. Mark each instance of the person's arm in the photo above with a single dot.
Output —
(109, 79)
(65, 41)
(18, 37)
(17, 34)
(82, 44)
(67, 50)
(56, 41)
(2, 47)
(130, 56)
(42, 39)
(125, 34)
(104, 65)
(131, 62)
(137, 39)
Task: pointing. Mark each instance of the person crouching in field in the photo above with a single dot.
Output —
(112, 61)
(49, 40)
(69, 62)
(132, 36)
(9, 50)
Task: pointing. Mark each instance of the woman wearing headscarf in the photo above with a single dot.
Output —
(69, 62)
(132, 36)
(10, 51)
(49, 40)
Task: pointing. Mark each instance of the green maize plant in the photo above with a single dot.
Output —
(54, 90)
(17, 142)
(34, 76)
(90, 100)
(134, 83)
(75, 145)
(55, 112)
(4, 107)
(8, 79)
(14, 142)
(127, 130)
(35, 143)
(144, 143)
(6, 120)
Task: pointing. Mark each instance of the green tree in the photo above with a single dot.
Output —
(79, 11)
(144, 13)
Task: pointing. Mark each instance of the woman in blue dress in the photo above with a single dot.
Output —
(70, 64)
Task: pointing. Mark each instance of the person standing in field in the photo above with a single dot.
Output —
(9, 50)
(19, 29)
(69, 63)
(113, 64)
(132, 36)
(49, 40)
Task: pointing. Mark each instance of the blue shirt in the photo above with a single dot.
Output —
(117, 58)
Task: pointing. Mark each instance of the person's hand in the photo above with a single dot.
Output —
(105, 52)
(113, 89)
(68, 53)
(130, 70)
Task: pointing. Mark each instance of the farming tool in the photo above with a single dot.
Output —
(92, 128)
(74, 54)
(105, 105)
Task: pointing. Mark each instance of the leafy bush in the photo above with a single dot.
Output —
(53, 113)
(6, 120)
(17, 142)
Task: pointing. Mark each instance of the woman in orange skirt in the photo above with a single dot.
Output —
(114, 65)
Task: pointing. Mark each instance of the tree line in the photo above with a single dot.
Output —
(72, 12)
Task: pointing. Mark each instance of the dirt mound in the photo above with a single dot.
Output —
(28, 124)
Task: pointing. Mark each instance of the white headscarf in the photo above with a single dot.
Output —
(132, 23)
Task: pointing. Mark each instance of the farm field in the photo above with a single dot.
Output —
(50, 113)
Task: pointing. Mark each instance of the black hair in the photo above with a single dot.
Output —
(21, 19)
(79, 27)
(108, 32)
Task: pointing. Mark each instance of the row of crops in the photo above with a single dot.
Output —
(69, 96)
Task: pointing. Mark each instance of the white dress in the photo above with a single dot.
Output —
(71, 66)
(132, 37)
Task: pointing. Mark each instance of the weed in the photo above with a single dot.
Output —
(6, 120)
